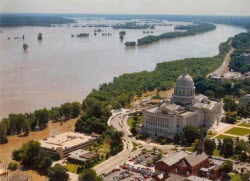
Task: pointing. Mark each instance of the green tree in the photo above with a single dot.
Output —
(45, 164)
(76, 109)
(7, 124)
(58, 173)
(107, 155)
(227, 148)
(133, 131)
(32, 154)
(66, 110)
(55, 114)
(177, 138)
(157, 157)
(3, 133)
(13, 165)
(219, 144)
(18, 154)
(243, 156)
(89, 175)
(231, 117)
(227, 166)
(245, 176)
(229, 104)
(191, 133)
(42, 117)
(16, 121)
(209, 146)
(240, 146)
(26, 127)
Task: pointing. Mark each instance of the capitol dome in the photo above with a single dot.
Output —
(185, 80)
(184, 91)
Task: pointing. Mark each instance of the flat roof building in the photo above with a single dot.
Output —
(61, 145)
(81, 156)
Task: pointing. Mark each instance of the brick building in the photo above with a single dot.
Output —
(183, 163)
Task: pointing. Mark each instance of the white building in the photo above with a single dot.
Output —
(185, 108)
(61, 145)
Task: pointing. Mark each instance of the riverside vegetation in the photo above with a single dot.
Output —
(241, 43)
(35, 20)
(120, 92)
(95, 109)
(189, 30)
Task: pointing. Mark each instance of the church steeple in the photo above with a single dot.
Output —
(201, 146)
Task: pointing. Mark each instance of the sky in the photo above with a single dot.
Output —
(181, 7)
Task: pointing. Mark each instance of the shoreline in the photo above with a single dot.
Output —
(84, 94)
(15, 141)
(225, 65)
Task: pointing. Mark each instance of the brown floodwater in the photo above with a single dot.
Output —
(60, 68)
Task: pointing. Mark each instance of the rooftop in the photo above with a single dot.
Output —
(81, 155)
(196, 158)
(65, 140)
(152, 110)
(174, 158)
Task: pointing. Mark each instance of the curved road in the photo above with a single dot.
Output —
(119, 122)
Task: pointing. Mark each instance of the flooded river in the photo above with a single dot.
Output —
(60, 68)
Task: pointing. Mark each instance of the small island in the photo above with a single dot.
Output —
(190, 30)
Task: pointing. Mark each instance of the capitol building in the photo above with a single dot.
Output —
(184, 108)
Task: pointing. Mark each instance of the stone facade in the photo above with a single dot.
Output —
(185, 108)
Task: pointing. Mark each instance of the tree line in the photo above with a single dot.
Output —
(131, 25)
(26, 20)
(119, 93)
(241, 43)
(17, 124)
(190, 30)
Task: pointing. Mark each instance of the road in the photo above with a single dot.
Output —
(119, 122)
(122, 157)
(225, 65)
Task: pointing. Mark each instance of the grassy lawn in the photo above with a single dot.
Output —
(189, 149)
(244, 125)
(103, 148)
(216, 153)
(135, 145)
(238, 131)
(222, 136)
(72, 167)
(131, 120)
(236, 177)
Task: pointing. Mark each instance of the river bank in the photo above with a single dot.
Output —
(62, 69)
(15, 142)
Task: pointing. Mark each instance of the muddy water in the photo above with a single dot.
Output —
(61, 68)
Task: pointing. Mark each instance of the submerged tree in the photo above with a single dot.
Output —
(40, 36)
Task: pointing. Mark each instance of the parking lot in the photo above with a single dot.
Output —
(142, 159)
(124, 175)
(135, 169)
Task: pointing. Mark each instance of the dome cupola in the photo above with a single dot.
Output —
(184, 91)
(185, 80)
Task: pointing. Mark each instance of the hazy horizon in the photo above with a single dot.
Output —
(151, 7)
